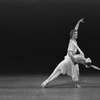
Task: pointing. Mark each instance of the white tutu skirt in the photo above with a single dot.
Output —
(67, 67)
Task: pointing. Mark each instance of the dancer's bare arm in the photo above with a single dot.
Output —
(95, 67)
(70, 53)
(78, 23)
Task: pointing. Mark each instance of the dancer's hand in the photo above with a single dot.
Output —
(81, 20)
(87, 66)
(95, 67)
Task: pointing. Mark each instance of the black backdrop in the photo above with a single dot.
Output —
(34, 34)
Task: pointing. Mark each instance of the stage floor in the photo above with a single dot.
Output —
(28, 88)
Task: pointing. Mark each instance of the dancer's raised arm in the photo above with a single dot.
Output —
(78, 23)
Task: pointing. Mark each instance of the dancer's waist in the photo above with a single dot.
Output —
(68, 54)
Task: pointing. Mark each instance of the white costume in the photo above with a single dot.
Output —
(67, 66)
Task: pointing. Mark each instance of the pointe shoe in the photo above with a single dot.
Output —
(77, 86)
(44, 84)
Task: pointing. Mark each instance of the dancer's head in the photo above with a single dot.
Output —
(88, 62)
(73, 34)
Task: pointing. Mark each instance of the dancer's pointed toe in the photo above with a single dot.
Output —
(44, 84)
(77, 86)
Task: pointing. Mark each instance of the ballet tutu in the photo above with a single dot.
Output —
(67, 67)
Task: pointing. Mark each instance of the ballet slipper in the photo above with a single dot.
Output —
(44, 84)
(77, 86)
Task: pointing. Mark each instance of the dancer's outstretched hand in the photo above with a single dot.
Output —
(81, 20)
(95, 67)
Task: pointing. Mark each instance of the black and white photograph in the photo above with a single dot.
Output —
(49, 49)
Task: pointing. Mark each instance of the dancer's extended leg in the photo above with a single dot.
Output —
(54, 75)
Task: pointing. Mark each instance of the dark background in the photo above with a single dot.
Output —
(34, 34)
